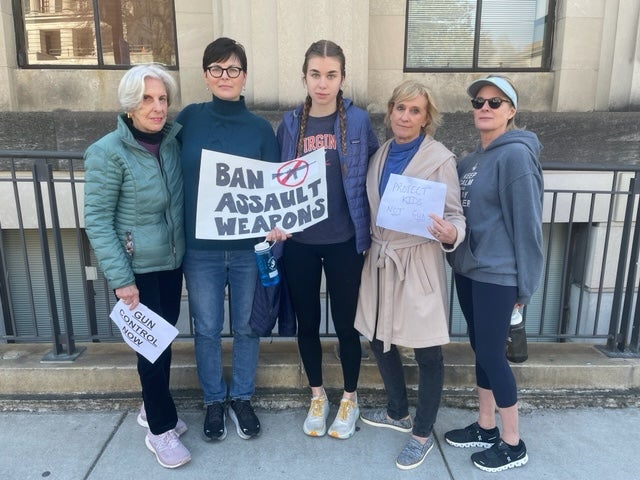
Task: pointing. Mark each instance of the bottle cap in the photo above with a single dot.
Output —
(260, 247)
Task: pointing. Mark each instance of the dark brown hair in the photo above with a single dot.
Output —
(222, 49)
(324, 48)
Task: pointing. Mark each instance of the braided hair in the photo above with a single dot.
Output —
(324, 48)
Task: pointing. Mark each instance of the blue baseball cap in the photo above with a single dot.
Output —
(498, 82)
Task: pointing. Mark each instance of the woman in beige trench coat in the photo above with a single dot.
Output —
(403, 292)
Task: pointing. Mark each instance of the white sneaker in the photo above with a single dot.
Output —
(180, 427)
(315, 425)
(344, 426)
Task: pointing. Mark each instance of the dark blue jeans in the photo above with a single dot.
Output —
(207, 273)
(430, 383)
(487, 309)
(161, 292)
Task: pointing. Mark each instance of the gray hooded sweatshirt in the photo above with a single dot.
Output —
(502, 189)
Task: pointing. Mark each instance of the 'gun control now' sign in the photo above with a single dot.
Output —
(143, 330)
(243, 198)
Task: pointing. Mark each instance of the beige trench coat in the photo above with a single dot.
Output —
(403, 293)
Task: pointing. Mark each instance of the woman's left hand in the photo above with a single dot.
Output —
(277, 234)
(443, 231)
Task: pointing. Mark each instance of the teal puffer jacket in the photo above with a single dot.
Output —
(128, 194)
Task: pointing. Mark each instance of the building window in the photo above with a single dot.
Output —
(478, 35)
(50, 43)
(83, 42)
(45, 6)
(95, 33)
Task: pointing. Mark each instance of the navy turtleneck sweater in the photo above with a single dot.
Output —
(399, 156)
(227, 127)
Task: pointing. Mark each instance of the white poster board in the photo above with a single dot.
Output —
(243, 198)
(407, 202)
(143, 330)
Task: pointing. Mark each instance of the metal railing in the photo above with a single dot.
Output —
(51, 289)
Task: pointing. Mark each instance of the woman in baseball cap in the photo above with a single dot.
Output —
(499, 264)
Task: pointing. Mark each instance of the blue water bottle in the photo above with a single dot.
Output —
(267, 266)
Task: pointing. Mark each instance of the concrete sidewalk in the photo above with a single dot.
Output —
(77, 420)
(566, 444)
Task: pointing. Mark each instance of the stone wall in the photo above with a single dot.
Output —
(609, 138)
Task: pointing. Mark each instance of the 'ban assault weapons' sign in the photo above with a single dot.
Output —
(243, 198)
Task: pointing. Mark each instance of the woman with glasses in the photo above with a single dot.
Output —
(403, 295)
(133, 211)
(499, 265)
(223, 125)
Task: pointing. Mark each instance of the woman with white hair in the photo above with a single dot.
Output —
(133, 210)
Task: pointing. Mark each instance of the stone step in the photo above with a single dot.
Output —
(556, 374)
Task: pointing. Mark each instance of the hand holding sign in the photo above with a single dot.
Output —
(143, 330)
(251, 197)
(407, 202)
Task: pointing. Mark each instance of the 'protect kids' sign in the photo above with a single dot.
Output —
(407, 202)
(144, 330)
(243, 198)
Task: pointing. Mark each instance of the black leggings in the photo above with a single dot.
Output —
(161, 292)
(487, 308)
(342, 268)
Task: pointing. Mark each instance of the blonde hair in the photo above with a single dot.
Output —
(511, 123)
(411, 89)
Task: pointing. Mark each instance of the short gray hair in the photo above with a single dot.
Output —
(131, 88)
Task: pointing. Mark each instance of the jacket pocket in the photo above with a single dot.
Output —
(423, 276)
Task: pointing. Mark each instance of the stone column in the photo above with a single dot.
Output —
(8, 60)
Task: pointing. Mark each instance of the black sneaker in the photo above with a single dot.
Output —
(501, 457)
(242, 414)
(472, 436)
(214, 427)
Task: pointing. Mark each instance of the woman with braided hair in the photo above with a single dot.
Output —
(337, 244)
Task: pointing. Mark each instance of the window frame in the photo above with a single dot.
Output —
(546, 54)
(21, 43)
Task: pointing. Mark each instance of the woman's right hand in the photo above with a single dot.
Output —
(129, 295)
(277, 234)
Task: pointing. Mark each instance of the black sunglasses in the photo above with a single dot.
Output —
(494, 102)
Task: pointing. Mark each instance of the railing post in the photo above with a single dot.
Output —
(6, 316)
(630, 287)
(42, 173)
(614, 322)
(634, 344)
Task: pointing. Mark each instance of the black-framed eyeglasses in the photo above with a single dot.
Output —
(216, 72)
(494, 102)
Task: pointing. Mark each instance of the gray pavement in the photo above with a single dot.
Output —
(563, 444)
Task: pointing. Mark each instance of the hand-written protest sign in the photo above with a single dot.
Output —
(243, 198)
(407, 202)
(144, 330)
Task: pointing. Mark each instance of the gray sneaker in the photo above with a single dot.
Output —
(315, 425)
(413, 454)
(344, 426)
(169, 450)
(379, 418)
(180, 427)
